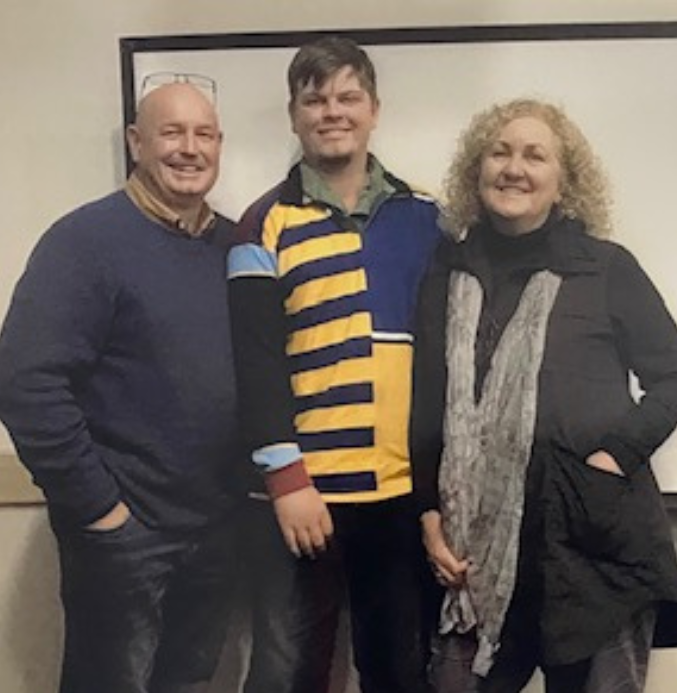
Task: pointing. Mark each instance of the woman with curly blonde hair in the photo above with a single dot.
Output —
(584, 187)
(541, 517)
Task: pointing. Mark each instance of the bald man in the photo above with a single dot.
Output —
(116, 386)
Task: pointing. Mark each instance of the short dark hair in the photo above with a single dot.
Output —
(315, 62)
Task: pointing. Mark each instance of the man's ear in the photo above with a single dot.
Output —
(292, 119)
(376, 105)
(133, 142)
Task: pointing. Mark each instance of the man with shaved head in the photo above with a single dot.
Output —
(116, 386)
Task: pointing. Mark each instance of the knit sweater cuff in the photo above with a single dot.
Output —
(284, 481)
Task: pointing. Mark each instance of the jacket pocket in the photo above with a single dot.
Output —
(128, 531)
(600, 511)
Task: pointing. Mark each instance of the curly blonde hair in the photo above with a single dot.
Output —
(584, 189)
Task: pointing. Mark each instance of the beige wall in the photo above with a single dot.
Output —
(61, 145)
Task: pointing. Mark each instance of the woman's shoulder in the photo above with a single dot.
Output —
(576, 242)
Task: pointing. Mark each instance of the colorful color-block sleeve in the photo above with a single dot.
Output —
(263, 375)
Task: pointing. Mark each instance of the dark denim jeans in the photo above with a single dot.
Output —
(146, 610)
(376, 556)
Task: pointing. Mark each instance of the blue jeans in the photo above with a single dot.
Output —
(146, 610)
(376, 557)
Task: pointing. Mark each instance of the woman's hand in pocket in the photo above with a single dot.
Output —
(605, 462)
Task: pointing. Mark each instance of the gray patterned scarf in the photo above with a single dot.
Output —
(486, 451)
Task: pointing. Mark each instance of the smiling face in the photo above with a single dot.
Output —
(334, 121)
(176, 144)
(520, 176)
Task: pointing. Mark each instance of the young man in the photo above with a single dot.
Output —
(117, 387)
(322, 294)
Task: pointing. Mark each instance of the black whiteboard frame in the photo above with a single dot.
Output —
(130, 46)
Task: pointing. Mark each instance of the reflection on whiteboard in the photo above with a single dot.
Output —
(619, 90)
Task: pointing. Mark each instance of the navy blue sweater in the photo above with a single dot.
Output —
(116, 378)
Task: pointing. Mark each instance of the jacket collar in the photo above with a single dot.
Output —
(291, 192)
(567, 249)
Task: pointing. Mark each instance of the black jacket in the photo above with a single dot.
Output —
(595, 547)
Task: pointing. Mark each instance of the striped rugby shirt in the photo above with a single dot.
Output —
(322, 310)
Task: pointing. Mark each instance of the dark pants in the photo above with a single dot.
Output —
(620, 666)
(146, 610)
(376, 556)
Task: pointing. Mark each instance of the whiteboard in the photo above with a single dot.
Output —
(615, 80)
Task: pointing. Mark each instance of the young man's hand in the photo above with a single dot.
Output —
(304, 520)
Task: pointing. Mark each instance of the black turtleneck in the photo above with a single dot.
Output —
(507, 264)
